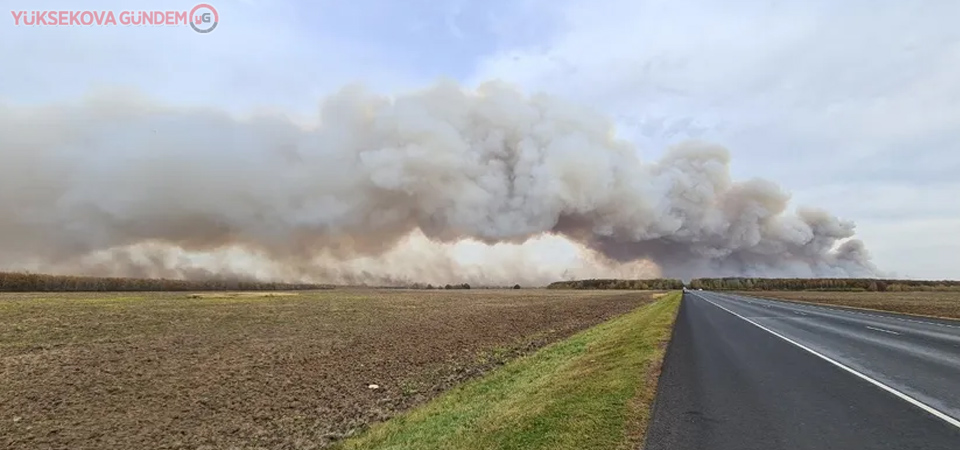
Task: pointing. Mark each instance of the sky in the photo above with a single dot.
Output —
(851, 106)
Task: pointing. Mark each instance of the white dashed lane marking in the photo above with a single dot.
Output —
(882, 330)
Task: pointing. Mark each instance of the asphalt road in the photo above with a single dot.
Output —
(744, 373)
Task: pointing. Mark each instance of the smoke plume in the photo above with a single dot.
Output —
(382, 189)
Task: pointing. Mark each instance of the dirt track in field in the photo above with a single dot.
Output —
(175, 370)
(925, 303)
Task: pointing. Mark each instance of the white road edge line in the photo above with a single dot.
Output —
(882, 330)
(901, 395)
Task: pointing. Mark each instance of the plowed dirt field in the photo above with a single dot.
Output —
(293, 371)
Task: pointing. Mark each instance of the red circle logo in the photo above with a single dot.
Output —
(203, 18)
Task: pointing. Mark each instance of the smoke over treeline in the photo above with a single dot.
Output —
(376, 187)
(30, 282)
(654, 284)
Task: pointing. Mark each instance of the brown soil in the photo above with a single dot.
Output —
(931, 303)
(174, 370)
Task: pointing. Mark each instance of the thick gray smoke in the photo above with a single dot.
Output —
(83, 185)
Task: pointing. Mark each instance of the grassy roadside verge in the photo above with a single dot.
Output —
(591, 391)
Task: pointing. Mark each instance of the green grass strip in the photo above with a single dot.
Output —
(591, 391)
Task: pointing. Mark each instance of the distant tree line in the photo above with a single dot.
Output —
(429, 286)
(765, 284)
(651, 284)
(456, 286)
(447, 286)
(822, 284)
(29, 282)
